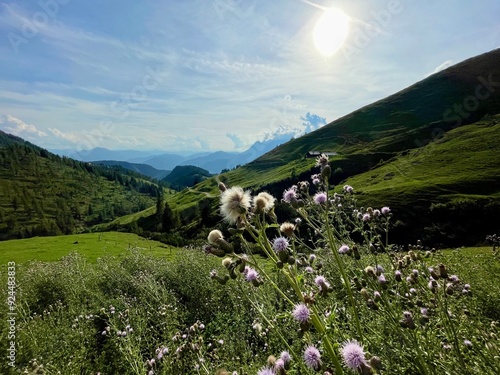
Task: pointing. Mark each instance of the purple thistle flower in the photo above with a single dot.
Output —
(286, 357)
(301, 313)
(381, 279)
(344, 249)
(348, 189)
(467, 343)
(290, 194)
(376, 213)
(309, 269)
(251, 274)
(279, 364)
(312, 357)
(353, 355)
(316, 181)
(280, 244)
(424, 311)
(385, 210)
(321, 282)
(320, 198)
(366, 217)
(266, 371)
(454, 279)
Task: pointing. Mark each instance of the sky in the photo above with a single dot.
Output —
(206, 75)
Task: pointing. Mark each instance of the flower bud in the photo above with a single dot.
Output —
(326, 172)
(442, 271)
(376, 363)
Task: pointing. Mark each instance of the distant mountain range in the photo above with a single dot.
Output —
(144, 169)
(213, 162)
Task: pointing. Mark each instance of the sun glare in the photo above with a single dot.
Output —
(331, 31)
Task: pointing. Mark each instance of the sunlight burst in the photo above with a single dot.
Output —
(331, 31)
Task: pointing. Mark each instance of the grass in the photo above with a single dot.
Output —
(466, 160)
(90, 245)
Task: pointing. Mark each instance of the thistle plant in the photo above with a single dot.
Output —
(360, 304)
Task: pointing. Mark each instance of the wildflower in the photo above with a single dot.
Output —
(279, 365)
(320, 198)
(353, 355)
(287, 229)
(309, 269)
(397, 275)
(290, 195)
(215, 236)
(286, 357)
(258, 327)
(382, 280)
(251, 275)
(263, 202)
(280, 244)
(321, 282)
(266, 371)
(322, 161)
(312, 357)
(366, 217)
(370, 271)
(377, 296)
(234, 203)
(385, 211)
(467, 343)
(316, 181)
(344, 249)
(376, 213)
(348, 189)
(303, 186)
(301, 313)
(454, 279)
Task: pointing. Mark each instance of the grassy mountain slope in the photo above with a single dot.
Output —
(44, 194)
(448, 191)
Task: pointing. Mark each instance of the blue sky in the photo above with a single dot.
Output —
(199, 75)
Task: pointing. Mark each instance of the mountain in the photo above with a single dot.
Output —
(365, 140)
(100, 153)
(163, 161)
(45, 194)
(144, 169)
(186, 176)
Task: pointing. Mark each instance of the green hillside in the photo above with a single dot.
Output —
(447, 191)
(184, 176)
(44, 194)
(386, 130)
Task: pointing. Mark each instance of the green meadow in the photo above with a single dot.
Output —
(89, 245)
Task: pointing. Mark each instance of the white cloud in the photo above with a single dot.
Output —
(18, 127)
(443, 66)
(72, 137)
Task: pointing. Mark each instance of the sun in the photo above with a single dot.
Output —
(331, 31)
